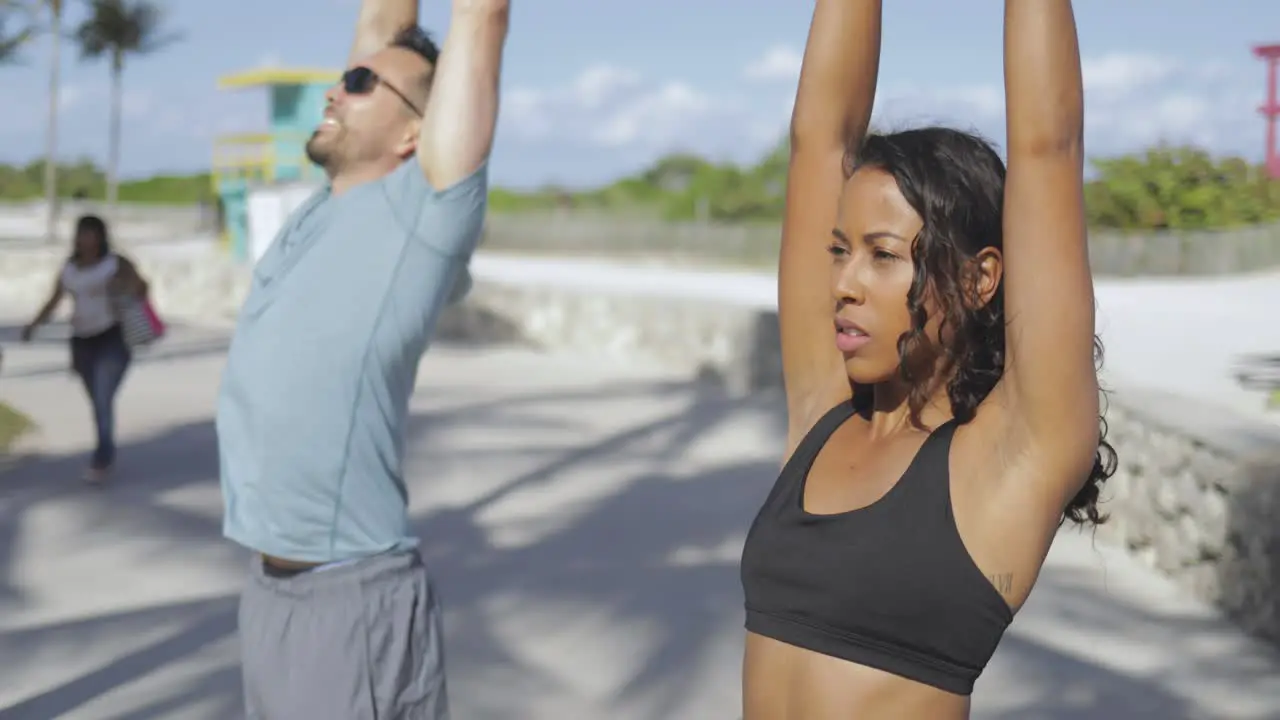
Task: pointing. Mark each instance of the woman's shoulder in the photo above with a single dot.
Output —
(107, 265)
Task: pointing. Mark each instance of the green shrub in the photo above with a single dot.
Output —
(13, 425)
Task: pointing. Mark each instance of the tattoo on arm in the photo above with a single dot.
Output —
(1003, 582)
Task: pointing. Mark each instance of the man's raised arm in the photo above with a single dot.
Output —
(462, 110)
(378, 23)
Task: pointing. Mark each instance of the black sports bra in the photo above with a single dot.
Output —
(890, 586)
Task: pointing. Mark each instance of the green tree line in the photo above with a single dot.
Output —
(1160, 188)
(86, 180)
(1165, 187)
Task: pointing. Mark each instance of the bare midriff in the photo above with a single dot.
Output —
(285, 564)
(785, 682)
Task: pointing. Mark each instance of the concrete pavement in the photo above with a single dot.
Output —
(584, 524)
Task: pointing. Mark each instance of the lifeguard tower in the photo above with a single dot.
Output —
(271, 162)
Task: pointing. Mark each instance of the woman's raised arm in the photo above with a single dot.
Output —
(1050, 378)
(831, 114)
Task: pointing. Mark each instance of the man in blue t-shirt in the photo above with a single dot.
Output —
(339, 619)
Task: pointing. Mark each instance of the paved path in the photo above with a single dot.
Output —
(584, 524)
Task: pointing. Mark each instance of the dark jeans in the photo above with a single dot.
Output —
(101, 362)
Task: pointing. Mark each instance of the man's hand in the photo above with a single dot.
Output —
(462, 110)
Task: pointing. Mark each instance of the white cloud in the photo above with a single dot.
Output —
(1124, 72)
(524, 113)
(69, 96)
(140, 103)
(660, 114)
(779, 63)
(88, 100)
(610, 107)
(612, 116)
(599, 84)
(1135, 101)
(269, 60)
(1132, 101)
(975, 105)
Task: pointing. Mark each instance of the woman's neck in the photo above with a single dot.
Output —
(888, 407)
(81, 261)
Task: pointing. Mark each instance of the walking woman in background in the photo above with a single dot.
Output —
(96, 278)
(942, 390)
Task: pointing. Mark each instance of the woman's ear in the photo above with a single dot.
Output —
(982, 276)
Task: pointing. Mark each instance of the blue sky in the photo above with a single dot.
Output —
(594, 90)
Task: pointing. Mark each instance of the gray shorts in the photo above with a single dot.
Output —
(359, 641)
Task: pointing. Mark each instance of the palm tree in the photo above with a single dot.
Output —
(11, 41)
(51, 130)
(116, 29)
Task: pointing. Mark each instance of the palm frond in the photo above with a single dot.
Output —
(122, 27)
(12, 41)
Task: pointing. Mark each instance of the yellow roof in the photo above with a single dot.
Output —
(259, 138)
(277, 76)
(245, 138)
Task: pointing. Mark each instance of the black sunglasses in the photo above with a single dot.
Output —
(361, 80)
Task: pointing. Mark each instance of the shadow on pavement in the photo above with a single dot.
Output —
(205, 623)
(657, 550)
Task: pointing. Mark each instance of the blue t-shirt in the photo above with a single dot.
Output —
(314, 397)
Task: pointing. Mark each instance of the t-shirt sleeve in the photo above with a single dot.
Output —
(450, 220)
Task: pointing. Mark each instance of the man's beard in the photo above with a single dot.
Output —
(321, 153)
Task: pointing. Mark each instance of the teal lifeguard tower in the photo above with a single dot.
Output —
(245, 161)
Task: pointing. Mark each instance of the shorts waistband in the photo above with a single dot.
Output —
(303, 581)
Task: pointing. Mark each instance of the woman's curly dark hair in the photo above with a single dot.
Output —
(955, 182)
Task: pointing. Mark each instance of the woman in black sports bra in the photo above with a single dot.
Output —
(939, 357)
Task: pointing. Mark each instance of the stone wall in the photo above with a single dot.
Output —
(1196, 494)
(202, 287)
(721, 341)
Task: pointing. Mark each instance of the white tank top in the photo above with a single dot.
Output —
(92, 312)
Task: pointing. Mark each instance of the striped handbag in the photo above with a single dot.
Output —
(138, 321)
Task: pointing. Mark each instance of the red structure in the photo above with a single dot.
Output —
(1271, 110)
